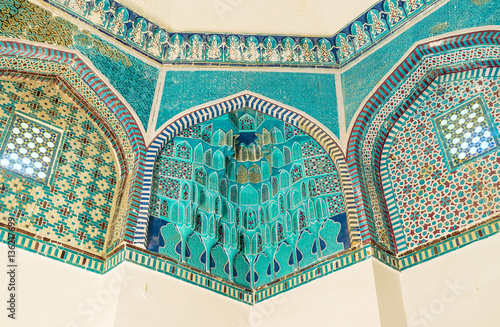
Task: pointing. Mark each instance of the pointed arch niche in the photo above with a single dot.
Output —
(246, 176)
(90, 142)
(405, 194)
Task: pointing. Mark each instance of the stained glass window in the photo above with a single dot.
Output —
(29, 148)
(466, 132)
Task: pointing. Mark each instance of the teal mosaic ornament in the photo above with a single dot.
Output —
(114, 21)
(306, 51)
(378, 24)
(176, 48)
(117, 24)
(97, 14)
(395, 14)
(78, 7)
(324, 51)
(361, 37)
(345, 49)
(246, 197)
(133, 78)
(214, 48)
(195, 48)
(136, 32)
(155, 43)
(289, 50)
(270, 52)
(412, 7)
(30, 148)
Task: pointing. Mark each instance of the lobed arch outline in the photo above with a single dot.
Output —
(255, 101)
(399, 90)
(92, 86)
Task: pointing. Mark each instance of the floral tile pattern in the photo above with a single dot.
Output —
(146, 37)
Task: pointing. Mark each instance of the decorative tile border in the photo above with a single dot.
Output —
(429, 252)
(258, 103)
(319, 270)
(387, 258)
(129, 28)
(131, 254)
(405, 84)
(450, 243)
(166, 266)
(54, 251)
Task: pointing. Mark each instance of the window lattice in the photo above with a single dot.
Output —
(29, 148)
(466, 132)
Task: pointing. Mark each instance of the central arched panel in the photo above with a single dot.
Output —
(248, 185)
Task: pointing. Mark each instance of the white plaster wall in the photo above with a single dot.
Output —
(51, 293)
(459, 289)
(153, 299)
(389, 295)
(345, 298)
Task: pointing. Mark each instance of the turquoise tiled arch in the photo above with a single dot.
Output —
(261, 104)
(245, 220)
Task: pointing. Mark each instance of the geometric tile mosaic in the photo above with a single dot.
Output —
(30, 148)
(132, 77)
(431, 199)
(379, 116)
(466, 132)
(74, 206)
(104, 109)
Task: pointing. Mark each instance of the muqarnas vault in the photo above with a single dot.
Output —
(246, 197)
